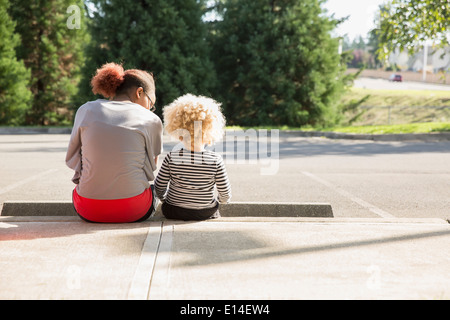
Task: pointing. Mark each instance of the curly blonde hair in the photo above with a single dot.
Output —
(191, 117)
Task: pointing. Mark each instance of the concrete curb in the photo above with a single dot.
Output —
(318, 220)
(235, 209)
(426, 137)
(36, 130)
(260, 209)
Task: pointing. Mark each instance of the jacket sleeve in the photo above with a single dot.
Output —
(153, 147)
(73, 155)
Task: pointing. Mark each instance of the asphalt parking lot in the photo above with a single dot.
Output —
(358, 178)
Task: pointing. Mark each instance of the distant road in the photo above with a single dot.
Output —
(382, 84)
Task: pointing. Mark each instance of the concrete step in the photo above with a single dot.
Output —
(235, 209)
(222, 259)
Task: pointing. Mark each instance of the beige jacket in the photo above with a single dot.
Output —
(112, 149)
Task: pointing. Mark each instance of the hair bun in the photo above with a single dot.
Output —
(107, 79)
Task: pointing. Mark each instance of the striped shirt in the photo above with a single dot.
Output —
(187, 179)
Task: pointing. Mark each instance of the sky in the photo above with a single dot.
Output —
(361, 12)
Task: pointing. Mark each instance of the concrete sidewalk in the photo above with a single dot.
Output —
(229, 258)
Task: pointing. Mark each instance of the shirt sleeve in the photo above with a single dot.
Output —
(222, 183)
(163, 178)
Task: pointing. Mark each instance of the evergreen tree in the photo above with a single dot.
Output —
(165, 37)
(15, 97)
(52, 48)
(277, 63)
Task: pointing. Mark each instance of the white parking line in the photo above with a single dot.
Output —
(25, 181)
(348, 195)
(161, 272)
(140, 284)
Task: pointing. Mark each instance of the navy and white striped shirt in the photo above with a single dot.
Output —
(187, 179)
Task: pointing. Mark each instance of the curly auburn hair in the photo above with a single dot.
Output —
(190, 118)
(111, 79)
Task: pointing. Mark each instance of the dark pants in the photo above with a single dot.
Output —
(178, 213)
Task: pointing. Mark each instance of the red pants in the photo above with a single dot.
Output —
(132, 209)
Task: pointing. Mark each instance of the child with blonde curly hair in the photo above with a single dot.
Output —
(188, 177)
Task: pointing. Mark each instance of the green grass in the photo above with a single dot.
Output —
(408, 106)
(428, 127)
(399, 98)
(410, 112)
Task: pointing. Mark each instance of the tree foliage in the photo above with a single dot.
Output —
(165, 37)
(53, 52)
(15, 96)
(271, 62)
(407, 24)
(277, 62)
